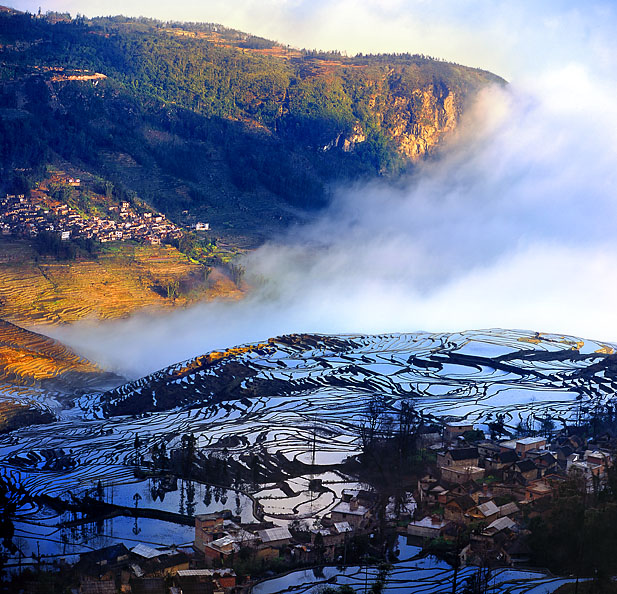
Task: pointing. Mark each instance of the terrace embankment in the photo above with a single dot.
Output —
(123, 278)
(33, 362)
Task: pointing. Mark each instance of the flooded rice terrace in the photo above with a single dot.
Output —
(280, 415)
(412, 574)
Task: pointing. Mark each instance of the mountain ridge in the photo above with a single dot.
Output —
(197, 117)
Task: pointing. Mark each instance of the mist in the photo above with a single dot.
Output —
(511, 226)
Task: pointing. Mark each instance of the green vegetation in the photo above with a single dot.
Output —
(196, 116)
(578, 534)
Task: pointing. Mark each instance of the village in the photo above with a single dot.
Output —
(30, 216)
(475, 501)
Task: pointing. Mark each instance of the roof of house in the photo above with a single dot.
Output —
(500, 524)
(429, 522)
(488, 509)
(107, 554)
(509, 444)
(148, 552)
(508, 509)
(206, 572)
(98, 587)
(342, 527)
(463, 453)
(343, 507)
(508, 457)
(526, 466)
(539, 486)
(546, 457)
(462, 470)
(531, 440)
(465, 502)
(224, 544)
(274, 534)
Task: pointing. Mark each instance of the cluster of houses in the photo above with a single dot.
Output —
(220, 540)
(145, 569)
(27, 216)
(489, 486)
(478, 496)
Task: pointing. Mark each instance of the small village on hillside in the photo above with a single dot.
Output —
(28, 216)
(473, 504)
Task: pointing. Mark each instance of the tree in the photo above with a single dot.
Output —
(7, 528)
(172, 288)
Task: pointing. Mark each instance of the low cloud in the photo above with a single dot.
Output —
(512, 226)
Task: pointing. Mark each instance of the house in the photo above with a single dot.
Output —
(202, 226)
(485, 512)
(206, 581)
(425, 484)
(525, 468)
(90, 586)
(106, 557)
(456, 510)
(544, 460)
(488, 449)
(352, 512)
(459, 474)
(342, 528)
(147, 585)
(459, 457)
(274, 537)
(498, 462)
(509, 509)
(229, 544)
(454, 429)
(527, 444)
(538, 489)
(598, 457)
(509, 444)
(499, 525)
(221, 548)
(428, 527)
(208, 527)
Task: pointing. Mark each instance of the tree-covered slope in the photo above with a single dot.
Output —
(200, 117)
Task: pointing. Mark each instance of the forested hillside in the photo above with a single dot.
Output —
(198, 117)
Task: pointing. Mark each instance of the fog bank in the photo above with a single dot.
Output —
(512, 227)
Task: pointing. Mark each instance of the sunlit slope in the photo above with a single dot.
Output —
(27, 357)
(123, 279)
(34, 371)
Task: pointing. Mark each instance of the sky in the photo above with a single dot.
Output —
(513, 227)
(504, 36)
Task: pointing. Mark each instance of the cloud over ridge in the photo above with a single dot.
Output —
(511, 226)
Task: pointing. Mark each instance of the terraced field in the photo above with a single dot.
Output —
(120, 281)
(289, 407)
(36, 374)
(411, 574)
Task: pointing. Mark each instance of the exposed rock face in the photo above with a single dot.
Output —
(357, 136)
(420, 121)
(416, 122)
